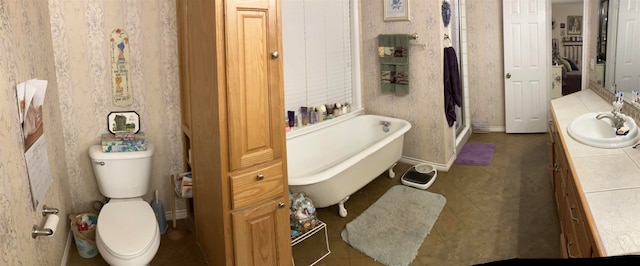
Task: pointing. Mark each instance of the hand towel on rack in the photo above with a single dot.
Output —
(452, 88)
(393, 52)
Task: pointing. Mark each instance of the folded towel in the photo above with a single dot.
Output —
(393, 52)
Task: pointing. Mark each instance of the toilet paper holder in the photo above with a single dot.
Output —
(47, 210)
(36, 231)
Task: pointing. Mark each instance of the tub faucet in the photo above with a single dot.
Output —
(617, 121)
(385, 125)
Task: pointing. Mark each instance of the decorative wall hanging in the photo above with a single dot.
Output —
(446, 13)
(123, 122)
(574, 24)
(396, 10)
(120, 69)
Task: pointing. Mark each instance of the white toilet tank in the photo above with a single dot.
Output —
(122, 174)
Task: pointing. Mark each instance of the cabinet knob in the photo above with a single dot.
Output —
(281, 205)
(275, 54)
(260, 176)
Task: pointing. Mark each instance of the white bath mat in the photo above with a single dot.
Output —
(392, 229)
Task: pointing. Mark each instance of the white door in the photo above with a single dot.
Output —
(526, 65)
(628, 56)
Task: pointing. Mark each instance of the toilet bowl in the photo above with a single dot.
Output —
(127, 232)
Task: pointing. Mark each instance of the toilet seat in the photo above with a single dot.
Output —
(127, 229)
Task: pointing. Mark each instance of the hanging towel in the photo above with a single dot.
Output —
(393, 52)
(452, 88)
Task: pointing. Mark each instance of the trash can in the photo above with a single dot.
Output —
(83, 227)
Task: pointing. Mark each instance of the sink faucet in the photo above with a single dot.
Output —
(617, 121)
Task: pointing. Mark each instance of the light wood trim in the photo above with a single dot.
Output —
(183, 56)
(598, 249)
(260, 236)
(251, 26)
(246, 189)
(206, 61)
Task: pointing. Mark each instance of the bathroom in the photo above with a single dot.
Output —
(62, 41)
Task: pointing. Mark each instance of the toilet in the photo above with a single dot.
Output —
(127, 232)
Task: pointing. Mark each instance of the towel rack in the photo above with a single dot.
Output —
(415, 37)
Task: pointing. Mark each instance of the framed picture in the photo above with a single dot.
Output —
(118, 122)
(396, 10)
(574, 25)
(562, 25)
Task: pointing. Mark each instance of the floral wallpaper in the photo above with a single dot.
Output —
(430, 138)
(81, 32)
(26, 53)
(66, 43)
(485, 43)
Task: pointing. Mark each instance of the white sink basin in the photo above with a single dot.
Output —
(588, 130)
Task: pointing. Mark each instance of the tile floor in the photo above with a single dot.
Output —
(501, 211)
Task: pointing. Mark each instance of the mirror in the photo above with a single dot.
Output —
(601, 48)
(617, 42)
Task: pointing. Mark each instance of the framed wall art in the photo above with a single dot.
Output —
(396, 10)
(574, 25)
(123, 122)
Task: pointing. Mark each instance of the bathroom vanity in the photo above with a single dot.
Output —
(597, 190)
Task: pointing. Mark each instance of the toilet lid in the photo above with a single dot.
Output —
(127, 228)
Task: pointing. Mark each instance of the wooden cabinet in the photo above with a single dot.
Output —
(233, 98)
(577, 239)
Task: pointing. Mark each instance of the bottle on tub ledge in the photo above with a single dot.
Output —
(316, 115)
(337, 111)
(322, 111)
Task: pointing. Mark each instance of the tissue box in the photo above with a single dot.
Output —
(123, 142)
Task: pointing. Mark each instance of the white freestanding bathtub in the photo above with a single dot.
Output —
(334, 162)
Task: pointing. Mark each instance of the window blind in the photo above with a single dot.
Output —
(316, 40)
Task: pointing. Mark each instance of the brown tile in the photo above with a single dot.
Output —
(496, 212)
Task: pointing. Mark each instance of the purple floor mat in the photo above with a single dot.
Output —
(476, 154)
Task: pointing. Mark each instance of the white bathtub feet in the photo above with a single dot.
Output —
(392, 174)
(342, 210)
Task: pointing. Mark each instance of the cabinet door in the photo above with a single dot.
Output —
(261, 234)
(254, 78)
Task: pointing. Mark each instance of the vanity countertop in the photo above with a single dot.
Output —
(610, 178)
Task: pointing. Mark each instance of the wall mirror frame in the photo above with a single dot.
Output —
(615, 48)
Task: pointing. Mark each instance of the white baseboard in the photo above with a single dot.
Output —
(438, 166)
(180, 214)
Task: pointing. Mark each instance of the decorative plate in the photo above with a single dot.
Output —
(446, 13)
(123, 122)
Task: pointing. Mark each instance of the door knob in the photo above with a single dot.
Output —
(508, 75)
(275, 54)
